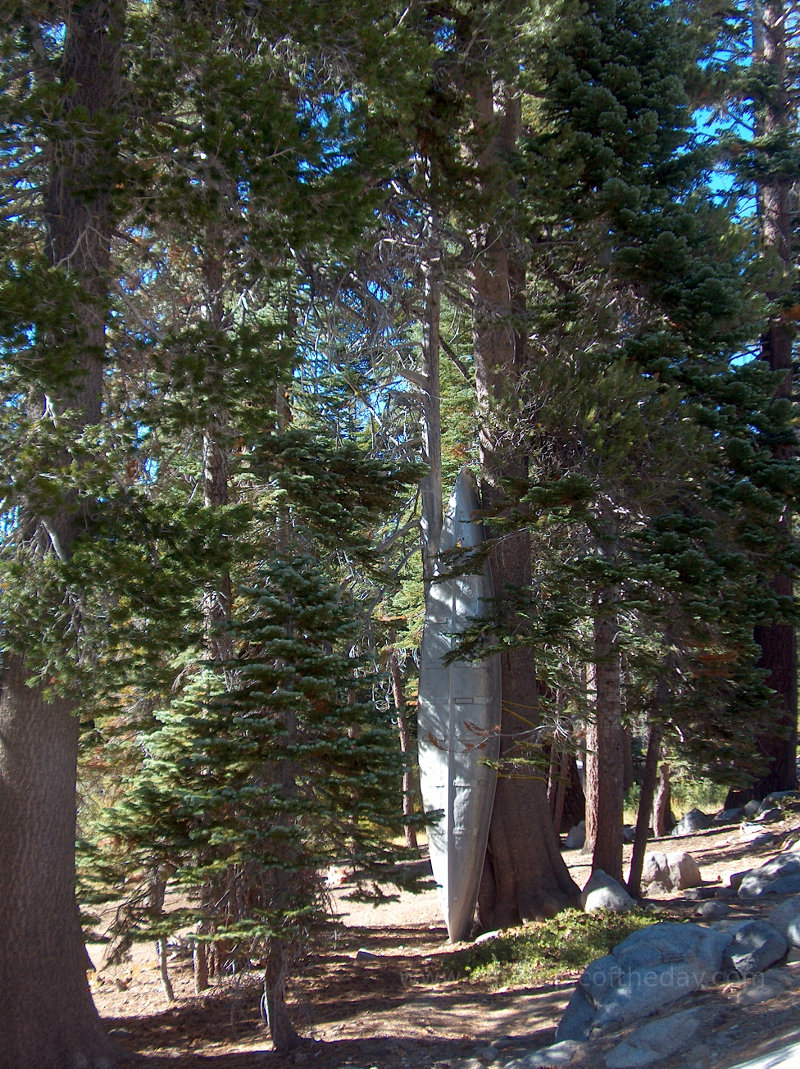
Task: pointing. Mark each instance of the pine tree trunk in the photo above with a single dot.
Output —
(281, 1030)
(778, 642)
(405, 745)
(47, 1018)
(524, 874)
(604, 771)
(663, 819)
(643, 817)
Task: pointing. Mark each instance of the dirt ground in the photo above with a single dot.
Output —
(376, 998)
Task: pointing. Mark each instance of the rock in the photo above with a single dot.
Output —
(628, 833)
(778, 796)
(562, 1053)
(712, 911)
(602, 892)
(700, 894)
(576, 837)
(754, 834)
(752, 807)
(786, 918)
(729, 816)
(769, 815)
(693, 821)
(655, 1040)
(650, 970)
(735, 879)
(754, 947)
(671, 871)
(761, 988)
(487, 936)
(365, 955)
(780, 876)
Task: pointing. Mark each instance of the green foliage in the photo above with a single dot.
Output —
(549, 950)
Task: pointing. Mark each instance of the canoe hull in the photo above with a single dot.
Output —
(458, 718)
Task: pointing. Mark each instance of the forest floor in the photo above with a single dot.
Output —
(394, 1007)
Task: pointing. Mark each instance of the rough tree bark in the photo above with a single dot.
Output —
(48, 1019)
(524, 874)
(777, 749)
(643, 817)
(604, 769)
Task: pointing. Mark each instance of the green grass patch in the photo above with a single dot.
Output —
(549, 950)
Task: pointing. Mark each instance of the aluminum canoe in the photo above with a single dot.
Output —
(458, 718)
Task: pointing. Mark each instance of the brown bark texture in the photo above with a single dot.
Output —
(777, 749)
(47, 1018)
(524, 874)
(604, 765)
(663, 817)
(643, 817)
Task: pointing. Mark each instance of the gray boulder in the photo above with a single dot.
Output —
(780, 876)
(655, 1040)
(603, 892)
(729, 816)
(779, 796)
(751, 807)
(576, 837)
(695, 820)
(754, 947)
(650, 970)
(769, 815)
(628, 833)
(672, 872)
(786, 918)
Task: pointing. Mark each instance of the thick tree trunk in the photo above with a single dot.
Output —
(604, 770)
(47, 1019)
(777, 640)
(524, 875)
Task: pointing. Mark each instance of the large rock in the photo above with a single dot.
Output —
(754, 947)
(729, 816)
(780, 876)
(650, 970)
(786, 918)
(671, 872)
(695, 820)
(655, 1040)
(603, 892)
(576, 837)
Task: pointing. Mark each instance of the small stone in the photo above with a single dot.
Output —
(713, 911)
(364, 955)
(488, 1054)
(761, 988)
(675, 871)
(487, 936)
(701, 894)
(752, 807)
(562, 1053)
(735, 879)
(628, 833)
